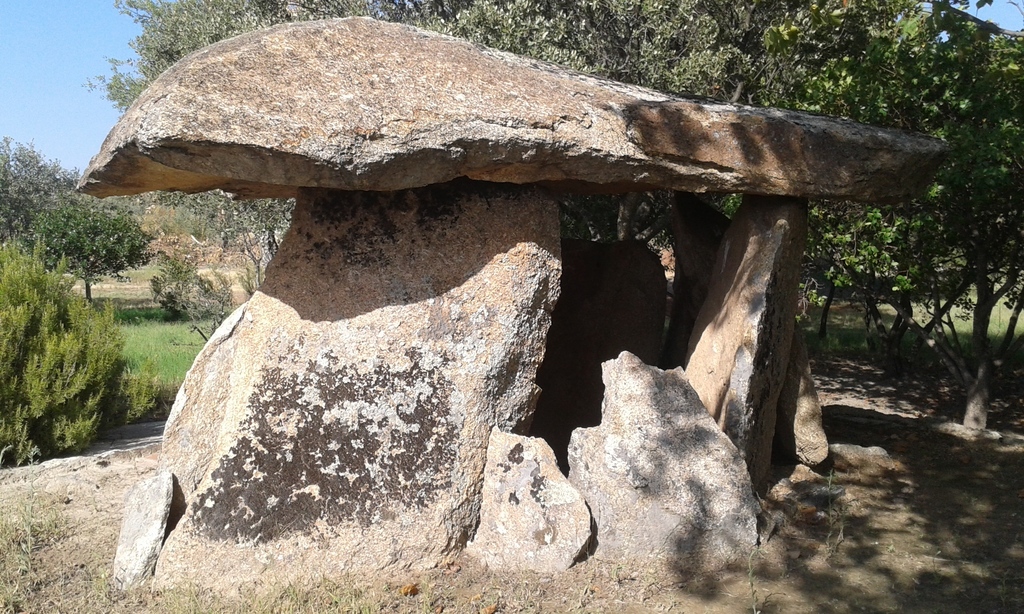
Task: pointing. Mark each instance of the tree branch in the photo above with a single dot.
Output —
(957, 368)
(983, 25)
(1011, 327)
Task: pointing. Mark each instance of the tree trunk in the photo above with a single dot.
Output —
(978, 396)
(627, 216)
(823, 325)
(979, 391)
(88, 291)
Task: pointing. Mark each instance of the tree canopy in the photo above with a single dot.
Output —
(29, 185)
(94, 243)
(958, 252)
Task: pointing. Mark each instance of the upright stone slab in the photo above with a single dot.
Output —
(338, 422)
(147, 506)
(531, 518)
(799, 435)
(661, 478)
(739, 350)
(697, 231)
(612, 300)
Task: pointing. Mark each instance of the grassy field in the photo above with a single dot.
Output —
(847, 332)
(152, 340)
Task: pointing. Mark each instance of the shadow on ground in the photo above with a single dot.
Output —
(934, 525)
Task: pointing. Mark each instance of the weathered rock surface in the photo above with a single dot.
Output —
(147, 506)
(662, 480)
(531, 518)
(740, 343)
(612, 300)
(357, 104)
(799, 435)
(697, 231)
(339, 420)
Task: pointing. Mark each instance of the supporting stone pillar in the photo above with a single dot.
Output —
(799, 436)
(339, 420)
(739, 350)
(697, 231)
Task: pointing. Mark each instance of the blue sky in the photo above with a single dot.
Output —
(50, 48)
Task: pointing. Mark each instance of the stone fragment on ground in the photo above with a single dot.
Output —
(338, 421)
(531, 517)
(739, 350)
(147, 506)
(799, 435)
(661, 478)
(612, 300)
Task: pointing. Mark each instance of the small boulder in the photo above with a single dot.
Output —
(662, 480)
(531, 517)
(147, 506)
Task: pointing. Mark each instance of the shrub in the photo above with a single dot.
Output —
(62, 375)
(204, 300)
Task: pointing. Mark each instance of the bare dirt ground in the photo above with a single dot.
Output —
(931, 522)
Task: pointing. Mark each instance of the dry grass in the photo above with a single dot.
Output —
(27, 526)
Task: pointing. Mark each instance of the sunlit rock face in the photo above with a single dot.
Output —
(739, 348)
(664, 483)
(531, 518)
(339, 420)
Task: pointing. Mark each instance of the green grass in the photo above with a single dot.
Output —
(152, 337)
(847, 334)
(169, 347)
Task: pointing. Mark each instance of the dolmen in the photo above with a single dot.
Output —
(371, 407)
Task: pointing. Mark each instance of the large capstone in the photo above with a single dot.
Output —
(531, 517)
(339, 420)
(358, 104)
(662, 480)
(612, 300)
(739, 349)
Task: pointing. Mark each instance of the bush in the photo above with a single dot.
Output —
(62, 375)
(203, 300)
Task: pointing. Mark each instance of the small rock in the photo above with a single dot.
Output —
(531, 517)
(147, 506)
(853, 452)
(409, 590)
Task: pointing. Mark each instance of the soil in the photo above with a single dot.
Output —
(933, 521)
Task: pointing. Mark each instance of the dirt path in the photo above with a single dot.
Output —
(933, 521)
